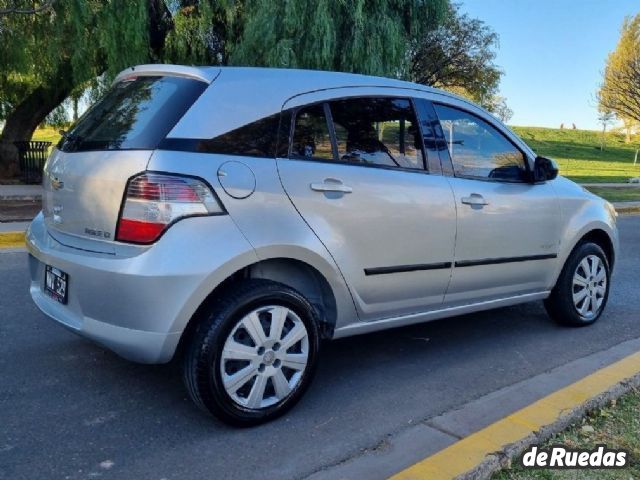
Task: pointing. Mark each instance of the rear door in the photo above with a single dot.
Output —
(508, 228)
(356, 173)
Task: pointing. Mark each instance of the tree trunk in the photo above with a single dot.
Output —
(24, 119)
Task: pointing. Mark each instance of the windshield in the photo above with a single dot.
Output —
(135, 114)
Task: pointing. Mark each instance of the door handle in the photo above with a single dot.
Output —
(331, 185)
(475, 200)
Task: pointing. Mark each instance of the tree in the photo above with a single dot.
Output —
(606, 118)
(364, 36)
(16, 8)
(55, 51)
(498, 106)
(620, 89)
(48, 52)
(459, 56)
(629, 126)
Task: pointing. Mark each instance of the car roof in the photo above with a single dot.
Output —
(237, 96)
(291, 81)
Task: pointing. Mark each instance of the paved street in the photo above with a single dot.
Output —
(69, 409)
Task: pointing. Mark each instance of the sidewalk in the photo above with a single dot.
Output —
(11, 227)
(611, 185)
(627, 207)
(21, 192)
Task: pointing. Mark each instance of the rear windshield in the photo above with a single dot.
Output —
(135, 114)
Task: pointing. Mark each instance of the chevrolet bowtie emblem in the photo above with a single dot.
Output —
(56, 183)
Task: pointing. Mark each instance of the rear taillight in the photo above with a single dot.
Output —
(153, 201)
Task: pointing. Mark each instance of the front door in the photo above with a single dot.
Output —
(508, 228)
(356, 173)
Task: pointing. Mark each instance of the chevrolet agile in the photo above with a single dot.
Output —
(235, 217)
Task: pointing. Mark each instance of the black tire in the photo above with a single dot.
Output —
(560, 304)
(203, 356)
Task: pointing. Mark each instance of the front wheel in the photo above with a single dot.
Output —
(253, 354)
(582, 290)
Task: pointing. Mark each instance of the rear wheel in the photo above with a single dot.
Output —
(582, 290)
(253, 354)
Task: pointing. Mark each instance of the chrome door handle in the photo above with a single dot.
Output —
(331, 185)
(475, 200)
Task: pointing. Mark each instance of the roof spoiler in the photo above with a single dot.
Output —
(203, 74)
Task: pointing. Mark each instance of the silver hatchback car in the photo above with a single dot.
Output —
(233, 218)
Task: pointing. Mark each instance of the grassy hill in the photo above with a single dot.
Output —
(579, 156)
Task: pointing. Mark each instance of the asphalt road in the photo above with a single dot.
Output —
(69, 409)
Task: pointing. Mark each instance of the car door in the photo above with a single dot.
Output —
(356, 173)
(508, 228)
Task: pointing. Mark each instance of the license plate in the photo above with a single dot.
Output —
(55, 283)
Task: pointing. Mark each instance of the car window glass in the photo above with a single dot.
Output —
(135, 114)
(378, 131)
(477, 149)
(256, 139)
(311, 137)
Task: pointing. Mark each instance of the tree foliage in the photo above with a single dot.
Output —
(497, 105)
(459, 56)
(200, 33)
(364, 36)
(53, 48)
(48, 53)
(620, 89)
(83, 38)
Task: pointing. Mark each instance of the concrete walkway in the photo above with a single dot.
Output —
(612, 185)
(627, 207)
(20, 192)
(13, 227)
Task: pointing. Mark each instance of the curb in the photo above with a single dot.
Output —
(510, 453)
(12, 240)
(496, 446)
(631, 210)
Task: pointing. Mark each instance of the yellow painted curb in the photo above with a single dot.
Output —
(469, 452)
(11, 240)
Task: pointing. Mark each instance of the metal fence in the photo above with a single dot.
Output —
(32, 156)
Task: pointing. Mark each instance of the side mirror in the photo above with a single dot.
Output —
(544, 169)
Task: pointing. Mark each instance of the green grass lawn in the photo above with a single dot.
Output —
(617, 426)
(579, 156)
(614, 194)
(46, 134)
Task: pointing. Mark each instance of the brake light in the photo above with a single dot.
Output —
(153, 201)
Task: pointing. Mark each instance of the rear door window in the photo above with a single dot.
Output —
(311, 138)
(135, 114)
(377, 131)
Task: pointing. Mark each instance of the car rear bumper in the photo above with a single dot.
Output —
(138, 300)
(135, 345)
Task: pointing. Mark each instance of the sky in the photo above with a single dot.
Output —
(553, 53)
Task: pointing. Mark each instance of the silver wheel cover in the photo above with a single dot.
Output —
(589, 286)
(264, 357)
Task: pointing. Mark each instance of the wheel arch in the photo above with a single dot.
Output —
(293, 272)
(603, 240)
(599, 233)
